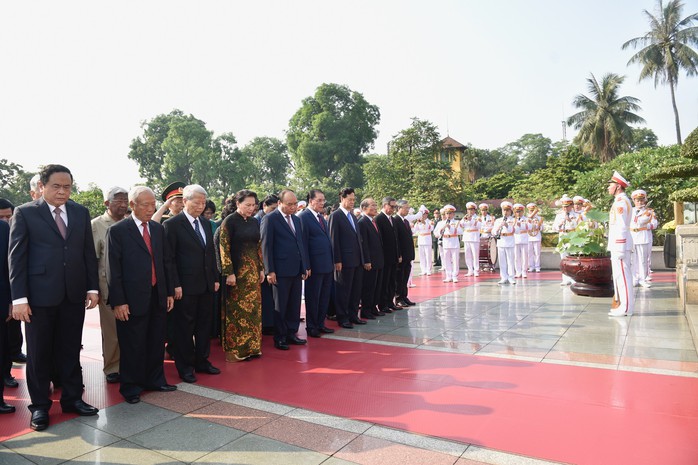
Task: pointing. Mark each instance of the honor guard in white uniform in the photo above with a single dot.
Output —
(486, 221)
(470, 224)
(534, 237)
(422, 229)
(565, 221)
(449, 231)
(521, 229)
(620, 244)
(643, 223)
(503, 230)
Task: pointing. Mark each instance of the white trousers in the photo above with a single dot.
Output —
(472, 256)
(641, 261)
(623, 281)
(521, 259)
(506, 262)
(425, 258)
(450, 259)
(534, 255)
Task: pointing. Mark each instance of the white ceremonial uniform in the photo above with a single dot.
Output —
(504, 227)
(423, 229)
(563, 224)
(644, 221)
(521, 229)
(449, 231)
(471, 244)
(620, 244)
(486, 224)
(535, 237)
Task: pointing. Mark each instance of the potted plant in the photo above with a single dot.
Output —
(587, 261)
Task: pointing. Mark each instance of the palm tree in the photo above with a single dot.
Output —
(666, 49)
(603, 123)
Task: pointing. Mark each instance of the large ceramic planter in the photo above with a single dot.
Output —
(593, 275)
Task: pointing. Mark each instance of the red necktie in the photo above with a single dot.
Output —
(146, 238)
(322, 223)
(374, 225)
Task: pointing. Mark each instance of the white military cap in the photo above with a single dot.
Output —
(506, 204)
(470, 205)
(448, 208)
(638, 193)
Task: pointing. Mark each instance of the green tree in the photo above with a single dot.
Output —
(178, 147)
(383, 178)
(328, 135)
(497, 186)
(643, 138)
(603, 123)
(666, 49)
(270, 162)
(530, 150)
(92, 199)
(14, 182)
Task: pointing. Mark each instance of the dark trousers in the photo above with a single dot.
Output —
(401, 278)
(317, 299)
(267, 305)
(4, 353)
(369, 290)
(287, 306)
(192, 316)
(387, 286)
(437, 257)
(347, 284)
(142, 339)
(54, 336)
(15, 338)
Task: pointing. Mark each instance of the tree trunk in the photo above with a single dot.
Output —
(676, 113)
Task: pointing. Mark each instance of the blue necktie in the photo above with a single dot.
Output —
(198, 233)
(351, 220)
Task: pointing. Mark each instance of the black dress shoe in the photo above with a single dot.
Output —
(80, 407)
(357, 321)
(401, 303)
(409, 302)
(210, 369)
(11, 382)
(281, 345)
(20, 358)
(312, 332)
(6, 408)
(164, 388)
(395, 308)
(387, 310)
(377, 313)
(326, 330)
(113, 378)
(133, 399)
(39, 420)
(368, 316)
(331, 317)
(296, 341)
(346, 324)
(188, 378)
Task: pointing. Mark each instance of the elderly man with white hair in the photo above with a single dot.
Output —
(116, 201)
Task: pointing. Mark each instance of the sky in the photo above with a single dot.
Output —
(78, 78)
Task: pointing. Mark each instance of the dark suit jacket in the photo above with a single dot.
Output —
(371, 243)
(283, 251)
(129, 275)
(44, 267)
(317, 242)
(389, 237)
(195, 266)
(5, 298)
(346, 243)
(404, 239)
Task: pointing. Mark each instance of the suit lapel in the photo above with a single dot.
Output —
(45, 212)
(190, 228)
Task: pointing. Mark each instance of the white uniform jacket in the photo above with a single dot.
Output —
(449, 231)
(619, 224)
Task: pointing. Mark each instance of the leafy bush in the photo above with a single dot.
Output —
(588, 238)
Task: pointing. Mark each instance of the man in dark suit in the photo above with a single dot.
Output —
(194, 274)
(406, 249)
(14, 328)
(318, 286)
(286, 265)
(53, 278)
(391, 253)
(141, 292)
(346, 247)
(5, 301)
(372, 258)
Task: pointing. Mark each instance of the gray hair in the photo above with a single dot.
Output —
(113, 191)
(34, 183)
(136, 191)
(189, 191)
(365, 203)
(402, 203)
(387, 200)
